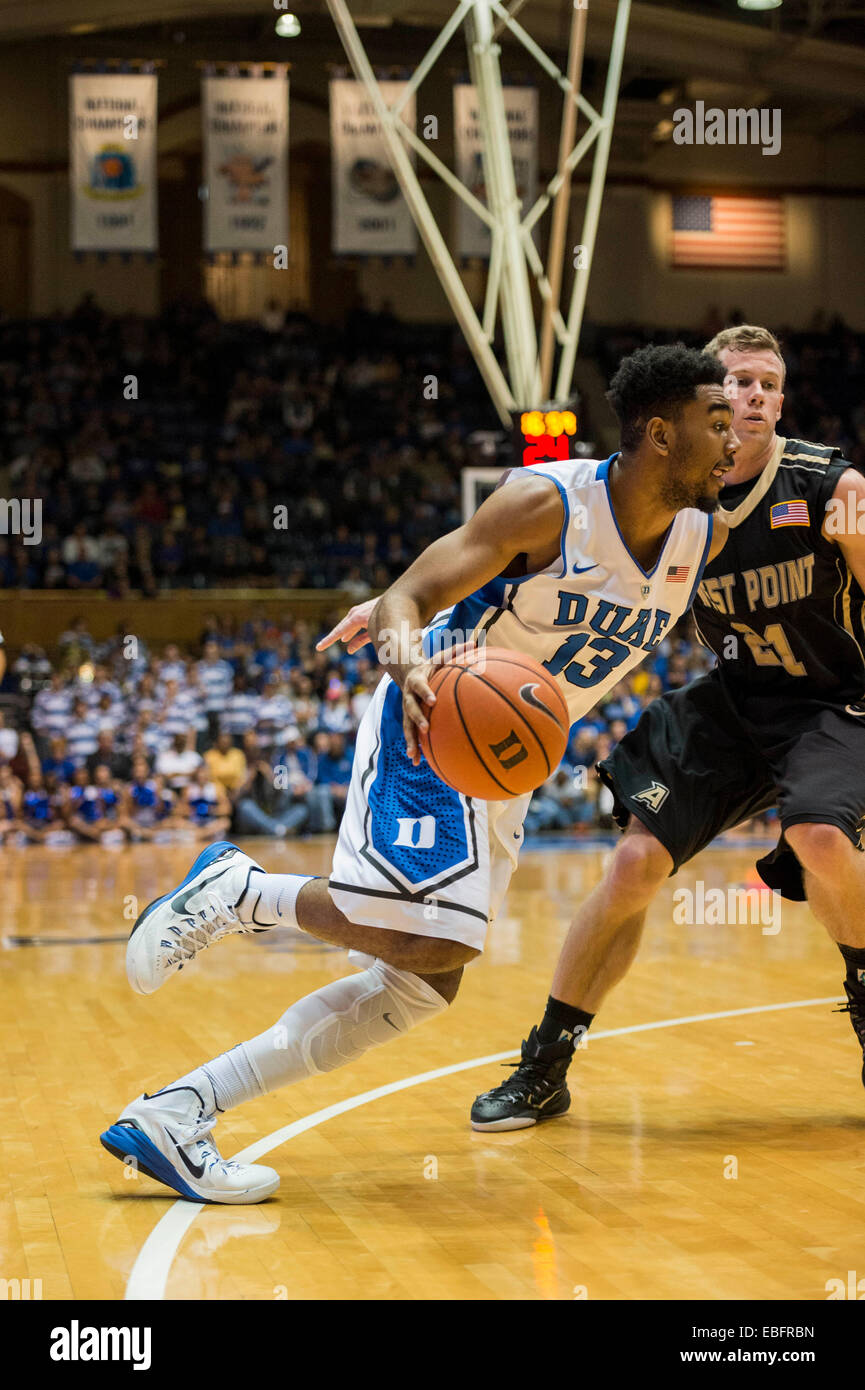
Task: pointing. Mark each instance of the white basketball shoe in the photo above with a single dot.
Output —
(169, 1137)
(214, 900)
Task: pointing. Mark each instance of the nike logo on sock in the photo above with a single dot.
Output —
(263, 926)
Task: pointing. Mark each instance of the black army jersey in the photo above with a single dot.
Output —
(780, 589)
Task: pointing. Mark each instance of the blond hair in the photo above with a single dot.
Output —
(747, 337)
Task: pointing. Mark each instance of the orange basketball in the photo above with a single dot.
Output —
(499, 725)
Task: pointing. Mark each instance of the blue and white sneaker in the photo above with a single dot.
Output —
(169, 1137)
(212, 901)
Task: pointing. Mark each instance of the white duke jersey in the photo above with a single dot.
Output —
(594, 613)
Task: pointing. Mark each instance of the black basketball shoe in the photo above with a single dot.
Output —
(535, 1091)
(855, 1007)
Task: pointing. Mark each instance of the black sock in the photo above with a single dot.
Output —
(562, 1021)
(855, 958)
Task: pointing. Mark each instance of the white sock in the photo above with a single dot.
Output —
(277, 898)
(334, 1025)
(228, 1080)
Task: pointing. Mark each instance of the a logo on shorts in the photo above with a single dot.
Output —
(652, 796)
(860, 976)
(858, 709)
(416, 832)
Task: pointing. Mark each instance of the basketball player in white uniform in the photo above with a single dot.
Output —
(584, 565)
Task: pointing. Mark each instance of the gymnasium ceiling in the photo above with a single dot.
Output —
(807, 56)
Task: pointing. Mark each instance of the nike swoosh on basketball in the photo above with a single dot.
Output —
(527, 694)
(195, 1169)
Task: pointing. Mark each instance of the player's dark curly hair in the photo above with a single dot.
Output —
(658, 381)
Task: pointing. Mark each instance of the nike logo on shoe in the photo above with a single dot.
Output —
(387, 1018)
(178, 904)
(197, 1170)
(541, 1103)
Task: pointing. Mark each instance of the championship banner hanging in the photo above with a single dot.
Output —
(246, 161)
(112, 161)
(370, 214)
(472, 238)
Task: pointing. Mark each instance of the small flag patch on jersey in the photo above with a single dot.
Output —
(789, 514)
(677, 574)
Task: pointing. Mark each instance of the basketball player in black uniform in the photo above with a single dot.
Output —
(780, 721)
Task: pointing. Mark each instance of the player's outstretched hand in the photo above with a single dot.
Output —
(352, 629)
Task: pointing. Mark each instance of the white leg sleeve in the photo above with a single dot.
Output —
(339, 1022)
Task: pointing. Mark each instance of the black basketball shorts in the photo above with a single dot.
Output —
(705, 758)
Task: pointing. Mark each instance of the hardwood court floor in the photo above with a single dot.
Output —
(722, 1157)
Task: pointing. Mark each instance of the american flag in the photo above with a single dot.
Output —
(677, 574)
(789, 514)
(743, 232)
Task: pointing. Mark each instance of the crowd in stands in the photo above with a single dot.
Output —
(251, 734)
(183, 451)
(186, 452)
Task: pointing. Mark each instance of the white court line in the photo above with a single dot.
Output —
(149, 1275)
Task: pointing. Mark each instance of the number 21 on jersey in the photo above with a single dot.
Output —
(772, 649)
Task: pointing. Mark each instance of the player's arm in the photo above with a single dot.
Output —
(524, 518)
(845, 523)
(353, 628)
(720, 532)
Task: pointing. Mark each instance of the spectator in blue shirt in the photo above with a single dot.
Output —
(214, 677)
(333, 774)
(58, 762)
(51, 709)
(82, 733)
(241, 709)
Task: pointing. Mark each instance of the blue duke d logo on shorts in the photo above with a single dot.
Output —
(416, 832)
(420, 833)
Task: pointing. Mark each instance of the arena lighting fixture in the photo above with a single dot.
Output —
(287, 26)
(759, 4)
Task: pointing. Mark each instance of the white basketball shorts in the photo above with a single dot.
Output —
(413, 854)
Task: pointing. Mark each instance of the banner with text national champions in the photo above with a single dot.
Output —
(370, 214)
(245, 162)
(112, 161)
(521, 112)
